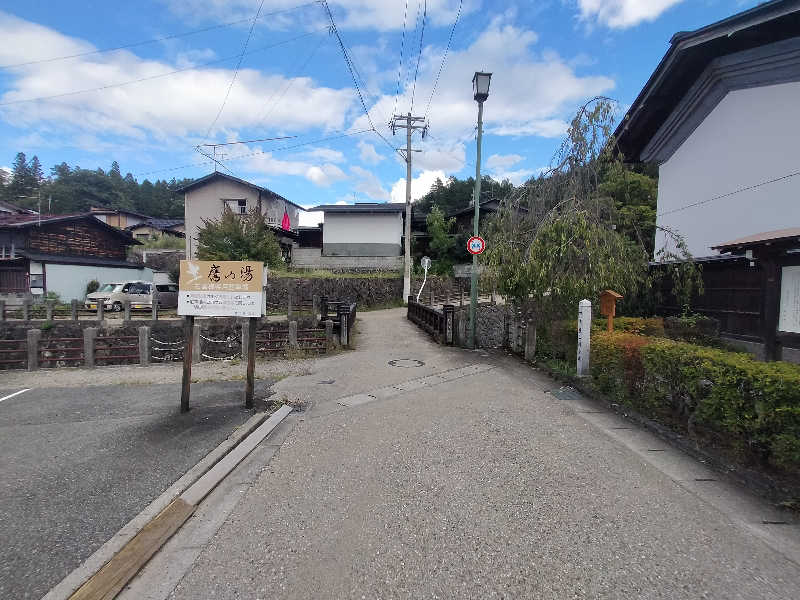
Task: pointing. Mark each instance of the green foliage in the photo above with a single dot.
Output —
(754, 405)
(441, 242)
(72, 189)
(634, 197)
(164, 242)
(559, 339)
(456, 194)
(92, 286)
(239, 237)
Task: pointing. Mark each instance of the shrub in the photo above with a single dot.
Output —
(754, 405)
(560, 339)
(696, 329)
(92, 286)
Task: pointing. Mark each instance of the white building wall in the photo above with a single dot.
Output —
(69, 281)
(367, 228)
(751, 137)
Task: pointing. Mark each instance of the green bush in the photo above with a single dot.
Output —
(560, 339)
(92, 286)
(696, 329)
(754, 405)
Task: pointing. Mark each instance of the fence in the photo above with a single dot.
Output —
(456, 292)
(51, 311)
(439, 323)
(35, 351)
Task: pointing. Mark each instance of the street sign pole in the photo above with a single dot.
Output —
(473, 306)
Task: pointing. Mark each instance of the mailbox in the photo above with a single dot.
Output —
(608, 306)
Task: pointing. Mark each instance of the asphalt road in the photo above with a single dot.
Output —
(79, 463)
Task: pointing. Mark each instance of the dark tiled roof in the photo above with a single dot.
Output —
(761, 238)
(116, 211)
(156, 223)
(8, 221)
(79, 260)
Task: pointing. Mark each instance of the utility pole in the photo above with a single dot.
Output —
(408, 123)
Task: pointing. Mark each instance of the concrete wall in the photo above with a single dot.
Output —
(312, 258)
(69, 281)
(206, 202)
(367, 234)
(749, 138)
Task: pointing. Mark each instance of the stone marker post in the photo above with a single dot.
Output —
(584, 336)
(329, 333)
(449, 323)
(344, 329)
(530, 341)
(100, 310)
(155, 306)
(293, 335)
(33, 348)
(126, 306)
(89, 337)
(289, 293)
(26, 310)
(49, 306)
(73, 310)
(144, 345)
(315, 306)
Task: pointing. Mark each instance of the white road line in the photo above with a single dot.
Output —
(14, 394)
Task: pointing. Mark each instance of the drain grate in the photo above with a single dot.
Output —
(407, 363)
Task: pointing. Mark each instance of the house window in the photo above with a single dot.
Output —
(237, 205)
(143, 237)
(272, 221)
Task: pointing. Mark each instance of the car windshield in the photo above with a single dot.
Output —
(109, 287)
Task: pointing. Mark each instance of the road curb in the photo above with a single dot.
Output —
(94, 563)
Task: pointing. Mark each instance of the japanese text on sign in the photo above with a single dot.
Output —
(221, 288)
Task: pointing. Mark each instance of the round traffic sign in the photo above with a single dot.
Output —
(476, 245)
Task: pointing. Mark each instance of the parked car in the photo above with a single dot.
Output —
(139, 293)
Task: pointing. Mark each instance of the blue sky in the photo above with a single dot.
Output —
(547, 57)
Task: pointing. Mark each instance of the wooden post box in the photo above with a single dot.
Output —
(608, 306)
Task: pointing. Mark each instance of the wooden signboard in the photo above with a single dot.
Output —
(221, 288)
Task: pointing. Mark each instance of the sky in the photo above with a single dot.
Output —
(146, 83)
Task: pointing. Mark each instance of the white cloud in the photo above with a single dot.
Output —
(621, 14)
(265, 163)
(420, 185)
(327, 154)
(368, 153)
(532, 93)
(351, 14)
(516, 177)
(441, 156)
(368, 183)
(181, 104)
(502, 161)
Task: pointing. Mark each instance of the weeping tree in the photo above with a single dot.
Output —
(555, 239)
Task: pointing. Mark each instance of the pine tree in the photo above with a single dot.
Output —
(35, 172)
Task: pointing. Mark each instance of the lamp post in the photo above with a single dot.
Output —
(480, 88)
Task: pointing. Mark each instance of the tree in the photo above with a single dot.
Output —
(238, 237)
(634, 198)
(441, 241)
(35, 172)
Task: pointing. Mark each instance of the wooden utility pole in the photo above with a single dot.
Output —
(408, 123)
(252, 329)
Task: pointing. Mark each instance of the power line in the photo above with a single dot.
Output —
(151, 41)
(402, 51)
(160, 75)
(339, 135)
(740, 190)
(444, 57)
(349, 64)
(288, 84)
(272, 139)
(236, 70)
(419, 56)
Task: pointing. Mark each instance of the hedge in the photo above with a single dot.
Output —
(560, 339)
(755, 406)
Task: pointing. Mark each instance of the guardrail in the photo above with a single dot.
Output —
(439, 323)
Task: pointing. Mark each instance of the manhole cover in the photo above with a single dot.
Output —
(407, 363)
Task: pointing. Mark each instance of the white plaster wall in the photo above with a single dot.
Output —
(69, 281)
(367, 228)
(206, 202)
(752, 136)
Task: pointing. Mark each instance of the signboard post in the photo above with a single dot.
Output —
(220, 289)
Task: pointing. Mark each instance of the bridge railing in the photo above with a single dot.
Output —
(439, 323)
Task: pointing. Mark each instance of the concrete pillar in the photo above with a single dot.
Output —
(2, 310)
(144, 345)
(344, 325)
(449, 324)
(126, 307)
(329, 333)
(49, 306)
(196, 354)
(293, 334)
(34, 335)
(584, 336)
(26, 310)
(315, 306)
(73, 310)
(530, 341)
(323, 308)
(100, 310)
(89, 338)
(155, 306)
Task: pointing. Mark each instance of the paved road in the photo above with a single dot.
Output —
(79, 463)
(443, 482)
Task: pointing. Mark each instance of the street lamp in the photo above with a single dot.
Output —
(480, 89)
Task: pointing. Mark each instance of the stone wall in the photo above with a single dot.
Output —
(491, 327)
(365, 291)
